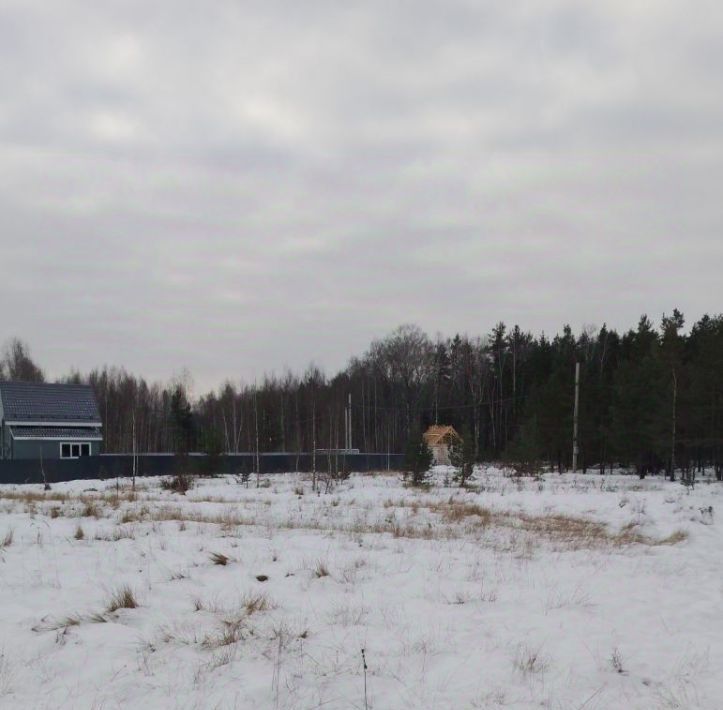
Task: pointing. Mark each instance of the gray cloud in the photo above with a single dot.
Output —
(240, 187)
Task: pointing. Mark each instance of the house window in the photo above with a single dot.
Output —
(74, 451)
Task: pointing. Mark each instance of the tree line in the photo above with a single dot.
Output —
(650, 398)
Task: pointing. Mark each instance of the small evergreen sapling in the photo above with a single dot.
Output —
(461, 456)
(418, 459)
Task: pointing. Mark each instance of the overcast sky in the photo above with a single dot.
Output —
(236, 187)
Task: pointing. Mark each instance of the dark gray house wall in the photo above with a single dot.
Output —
(47, 449)
(4, 454)
(5, 442)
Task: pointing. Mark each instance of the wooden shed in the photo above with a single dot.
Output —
(439, 438)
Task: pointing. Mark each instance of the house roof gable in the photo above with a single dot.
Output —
(438, 434)
(47, 403)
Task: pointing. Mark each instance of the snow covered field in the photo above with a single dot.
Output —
(573, 592)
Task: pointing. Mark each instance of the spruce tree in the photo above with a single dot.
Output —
(461, 456)
(525, 452)
(418, 458)
(640, 419)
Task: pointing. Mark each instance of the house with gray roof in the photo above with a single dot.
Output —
(48, 421)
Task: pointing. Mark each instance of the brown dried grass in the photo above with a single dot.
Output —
(123, 598)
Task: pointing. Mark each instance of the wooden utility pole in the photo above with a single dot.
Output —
(283, 425)
(313, 444)
(134, 460)
(574, 417)
(348, 426)
(376, 421)
(331, 446)
(673, 427)
(364, 419)
(388, 445)
(256, 419)
(225, 431)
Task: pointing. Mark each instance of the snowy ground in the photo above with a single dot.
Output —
(574, 592)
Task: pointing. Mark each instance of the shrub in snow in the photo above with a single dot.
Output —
(180, 483)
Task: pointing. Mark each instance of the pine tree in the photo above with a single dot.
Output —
(672, 358)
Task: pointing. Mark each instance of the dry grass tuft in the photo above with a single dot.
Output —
(228, 520)
(59, 624)
(616, 661)
(529, 661)
(321, 570)
(235, 625)
(123, 598)
(68, 621)
(91, 509)
(629, 536)
(457, 512)
(123, 534)
(219, 559)
(673, 538)
(563, 528)
(253, 603)
(232, 631)
(33, 496)
(8, 539)
(575, 533)
(117, 534)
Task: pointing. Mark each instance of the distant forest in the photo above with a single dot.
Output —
(651, 398)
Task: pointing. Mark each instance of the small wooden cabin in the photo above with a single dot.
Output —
(439, 438)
